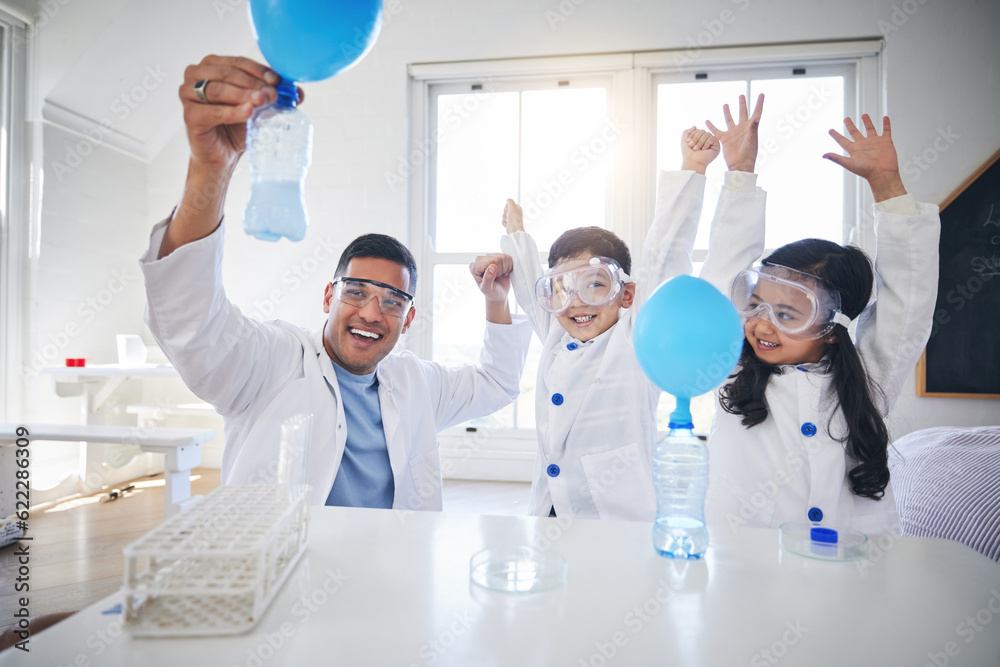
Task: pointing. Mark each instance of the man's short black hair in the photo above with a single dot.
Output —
(379, 246)
(597, 241)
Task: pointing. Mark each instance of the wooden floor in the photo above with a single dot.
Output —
(76, 551)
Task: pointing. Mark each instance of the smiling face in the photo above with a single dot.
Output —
(357, 339)
(770, 344)
(585, 322)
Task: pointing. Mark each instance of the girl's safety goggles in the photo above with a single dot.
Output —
(797, 303)
(595, 284)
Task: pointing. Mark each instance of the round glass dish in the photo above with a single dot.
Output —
(822, 542)
(519, 569)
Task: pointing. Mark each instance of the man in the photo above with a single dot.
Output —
(375, 416)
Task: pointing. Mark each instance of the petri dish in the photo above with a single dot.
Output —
(518, 569)
(832, 543)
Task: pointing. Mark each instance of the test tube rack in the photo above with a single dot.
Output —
(214, 568)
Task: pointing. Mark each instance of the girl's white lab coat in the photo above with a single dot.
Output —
(790, 467)
(259, 374)
(595, 410)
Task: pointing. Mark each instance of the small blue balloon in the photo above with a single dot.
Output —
(312, 40)
(688, 337)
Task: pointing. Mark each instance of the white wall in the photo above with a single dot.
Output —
(942, 61)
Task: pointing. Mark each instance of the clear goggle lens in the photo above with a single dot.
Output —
(596, 284)
(358, 292)
(797, 303)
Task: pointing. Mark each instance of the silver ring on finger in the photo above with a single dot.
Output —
(199, 90)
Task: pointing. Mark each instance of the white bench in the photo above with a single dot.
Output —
(181, 446)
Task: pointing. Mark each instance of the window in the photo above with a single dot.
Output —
(541, 143)
(579, 141)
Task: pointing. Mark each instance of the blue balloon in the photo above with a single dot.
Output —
(312, 40)
(688, 337)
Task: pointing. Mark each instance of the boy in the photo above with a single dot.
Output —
(595, 408)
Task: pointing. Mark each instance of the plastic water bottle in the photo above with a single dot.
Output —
(279, 144)
(680, 478)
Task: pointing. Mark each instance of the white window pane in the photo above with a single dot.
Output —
(567, 145)
(459, 314)
(678, 107)
(805, 193)
(476, 168)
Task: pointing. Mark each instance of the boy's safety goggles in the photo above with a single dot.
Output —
(595, 284)
(359, 291)
(797, 303)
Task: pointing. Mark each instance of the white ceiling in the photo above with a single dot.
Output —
(111, 68)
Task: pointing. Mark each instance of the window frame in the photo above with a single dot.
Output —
(632, 101)
(19, 190)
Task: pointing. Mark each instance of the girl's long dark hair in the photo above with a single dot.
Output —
(847, 270)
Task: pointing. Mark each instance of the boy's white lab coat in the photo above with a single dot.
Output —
(789, 467)
(259, 374)
(595, 439)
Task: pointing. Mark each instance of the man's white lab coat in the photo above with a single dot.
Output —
(257, 375)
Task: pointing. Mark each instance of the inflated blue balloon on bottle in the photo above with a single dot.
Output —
(312, 40)
(688, 338)
(302, 40)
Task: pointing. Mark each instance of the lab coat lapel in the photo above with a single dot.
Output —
(390, 424)
(339, 429)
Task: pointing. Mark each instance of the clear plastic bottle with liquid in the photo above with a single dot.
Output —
(680, 478)
(279, 147)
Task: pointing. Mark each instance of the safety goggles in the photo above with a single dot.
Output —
(595, 284)
(797, 303)
(359, 291)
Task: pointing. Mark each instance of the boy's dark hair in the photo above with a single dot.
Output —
(847, 270)
(379, 246)
(597, 241)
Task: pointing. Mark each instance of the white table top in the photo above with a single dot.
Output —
(402, 596)
(99, 371)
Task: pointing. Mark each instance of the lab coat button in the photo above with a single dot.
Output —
(809, 429)
(557, 399)
(815, 514)
(572, 346)
(553, 470)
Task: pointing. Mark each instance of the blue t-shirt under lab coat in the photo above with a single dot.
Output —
(365, 475)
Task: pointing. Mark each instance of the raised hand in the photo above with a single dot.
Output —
(698, 149)
(739, 140)
(492, 273)
(513, 217)
(216, 128)
(871, 156)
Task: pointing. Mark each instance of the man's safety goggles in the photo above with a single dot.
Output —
(797, 303)
(595, 284)
(359, 291)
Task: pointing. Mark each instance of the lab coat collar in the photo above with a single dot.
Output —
(569, 338)
(821, 366)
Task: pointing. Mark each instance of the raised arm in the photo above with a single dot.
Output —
(666, 252)
(222, 355)
(520, 246)
(737, 237)
(894, 329)
(216, 131)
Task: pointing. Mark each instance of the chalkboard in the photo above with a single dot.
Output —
(962, 359)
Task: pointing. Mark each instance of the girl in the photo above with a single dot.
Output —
(801, 435)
